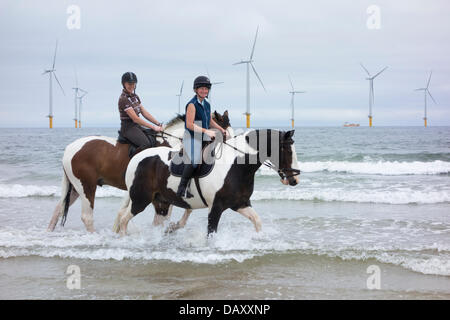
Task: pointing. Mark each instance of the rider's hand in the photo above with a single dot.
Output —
(211, 133)
(224, 134)
(157, 128)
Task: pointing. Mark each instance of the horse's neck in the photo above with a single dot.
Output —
(176, 130)
(175, 127)
(240, 143)
(239, 147)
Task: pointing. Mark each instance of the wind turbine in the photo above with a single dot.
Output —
(76, 97)
(212, 83)
(425, 91)
(293, 92)
(371, 92)
(179, 97)
(80, 105)
(249, 63)
(50, 73)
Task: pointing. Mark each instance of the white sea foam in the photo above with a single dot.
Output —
(404, 196)
(376, 168)
(192, 246)
(316, 193)
(22, 191)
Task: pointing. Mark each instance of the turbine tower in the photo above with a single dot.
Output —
(249, 63)
(80, 98)
(76, 99)
(212, 83)
(371, 91)
(179, 97)
(425, 91)
(293, 92)
(51, 72)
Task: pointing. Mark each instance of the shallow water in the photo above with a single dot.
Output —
(377, 196)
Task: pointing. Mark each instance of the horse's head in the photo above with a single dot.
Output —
(223, 121)
(288, 169)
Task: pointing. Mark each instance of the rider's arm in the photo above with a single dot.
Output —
(136, 119)
(190, 117)
(213, 124)
(149, 117)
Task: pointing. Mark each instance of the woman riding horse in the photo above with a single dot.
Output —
(198, 120)
(130, 107)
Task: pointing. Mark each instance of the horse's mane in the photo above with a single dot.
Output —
(179, 118)
(175, 120)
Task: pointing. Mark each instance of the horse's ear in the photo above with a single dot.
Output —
(225, 114)
(216, 115)
(288, 135)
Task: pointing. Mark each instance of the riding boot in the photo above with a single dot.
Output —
(187, 174)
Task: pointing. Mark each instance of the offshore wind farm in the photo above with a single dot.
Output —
(80, 93)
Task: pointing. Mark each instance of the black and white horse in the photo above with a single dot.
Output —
(229, 185)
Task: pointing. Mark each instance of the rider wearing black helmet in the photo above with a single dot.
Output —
(198, 120)
(130, 107)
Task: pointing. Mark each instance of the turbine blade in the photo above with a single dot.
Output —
(59, 83)
(258, 76)
(254, 42)
(292, 86)
(181, 89)
(379, 72)
(431, 97)
(429, 79)
(239, 63)
(365, 69)
(54, 57)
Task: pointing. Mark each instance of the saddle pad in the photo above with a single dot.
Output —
(201, 171)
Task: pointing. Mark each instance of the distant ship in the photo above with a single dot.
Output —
(351, 124)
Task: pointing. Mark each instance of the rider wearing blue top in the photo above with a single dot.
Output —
(197, 124)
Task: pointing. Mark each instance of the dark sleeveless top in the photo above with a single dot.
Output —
(202, 113)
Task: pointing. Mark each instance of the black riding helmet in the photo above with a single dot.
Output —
(129, 77)
(202, 81)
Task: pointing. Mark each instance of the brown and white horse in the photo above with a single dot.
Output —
(229, 184)
(98, 160)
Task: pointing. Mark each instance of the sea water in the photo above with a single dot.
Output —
(367, 197)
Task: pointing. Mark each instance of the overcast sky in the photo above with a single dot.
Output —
(318, 43)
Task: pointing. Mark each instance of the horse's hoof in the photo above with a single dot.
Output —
(172, 227)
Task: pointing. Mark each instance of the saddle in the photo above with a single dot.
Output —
(202, 169)
(133, 147)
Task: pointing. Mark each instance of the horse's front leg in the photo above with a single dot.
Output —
(163, 211)
(251, 214)
(214, 217)
(180, 224)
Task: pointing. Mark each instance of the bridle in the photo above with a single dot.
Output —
(283, 172)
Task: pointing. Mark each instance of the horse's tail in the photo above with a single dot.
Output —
(66, 190)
